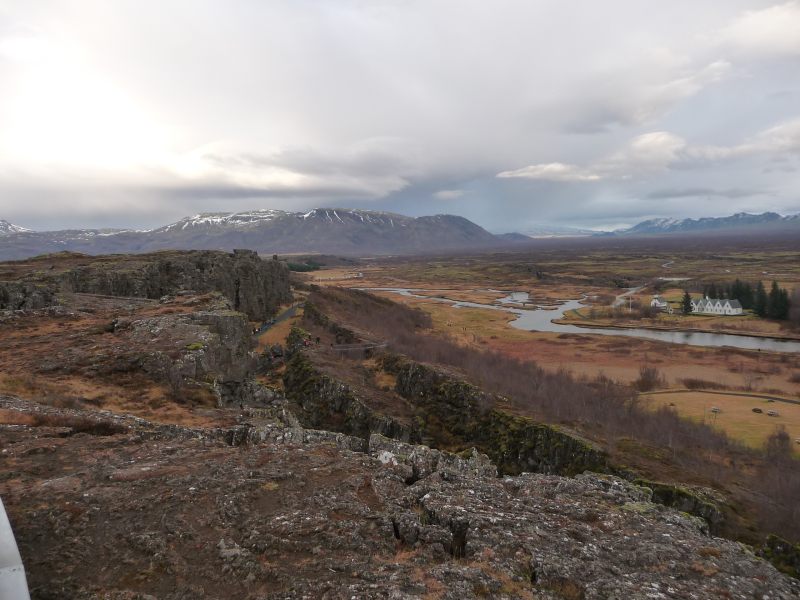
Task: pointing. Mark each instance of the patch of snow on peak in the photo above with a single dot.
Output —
(7, 228)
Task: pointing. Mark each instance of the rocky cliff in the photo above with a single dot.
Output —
(253, 286)
(323, 402)
(211, 346)
(448, 413)
(109, 506)
(462, 411)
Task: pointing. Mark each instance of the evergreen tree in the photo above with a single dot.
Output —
(746, 295)
(774, 301)
(686, 303)
(735, 292)
(712, 291)
(760, 300)
(780, 309)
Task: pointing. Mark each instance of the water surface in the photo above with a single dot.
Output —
(541, 319)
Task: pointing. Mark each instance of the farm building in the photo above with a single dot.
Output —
(661, 304)
(716, 306)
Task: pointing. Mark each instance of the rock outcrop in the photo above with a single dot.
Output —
(323, 402)
(449, 413)
(206, 346)
(21, 295)
(131, 509)
(456, 409)
(254, 286)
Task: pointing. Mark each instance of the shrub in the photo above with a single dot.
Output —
(650, 378)
(78, 424)
(694, 383)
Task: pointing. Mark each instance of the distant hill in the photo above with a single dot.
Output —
(322, 230)
(7, 228)
(551, 231)
(514, 237)
(768, 221)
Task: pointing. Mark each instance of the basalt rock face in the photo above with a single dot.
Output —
(457, 409)
(254, 286)
(686, 500)
(20, 295)
(449, 413)
(454, 415)
(204, 346)
(782, 554)
(325, 402)
(107, 506)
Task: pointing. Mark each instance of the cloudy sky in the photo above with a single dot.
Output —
(511, 113)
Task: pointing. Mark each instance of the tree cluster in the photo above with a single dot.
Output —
(742, 291)
(774, 304)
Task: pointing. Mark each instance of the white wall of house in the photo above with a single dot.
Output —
(715, 307)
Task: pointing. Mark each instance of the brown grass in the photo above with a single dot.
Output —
(598, 407)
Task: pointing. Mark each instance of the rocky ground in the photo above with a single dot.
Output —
(155, 358)
(106, 506)
(148, 452)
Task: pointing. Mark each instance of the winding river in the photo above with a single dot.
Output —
(541, 319)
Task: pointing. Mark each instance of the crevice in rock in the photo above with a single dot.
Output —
(459, 529)
(396, 529)
(414, 477)
(237, 436)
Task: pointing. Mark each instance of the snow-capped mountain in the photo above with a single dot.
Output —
(245, 219)
(323, 230)
(257, 218)
(7, 228)
(739, 221)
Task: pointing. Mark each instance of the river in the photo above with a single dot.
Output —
(541, 319)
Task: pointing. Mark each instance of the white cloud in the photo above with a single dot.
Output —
(644, 154)
(370, 168)
(659, 151)
(780, 140)
(770, 31)
(554, 171)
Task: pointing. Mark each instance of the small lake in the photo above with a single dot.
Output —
(541, 319)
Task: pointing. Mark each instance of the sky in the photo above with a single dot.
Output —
(512, 113)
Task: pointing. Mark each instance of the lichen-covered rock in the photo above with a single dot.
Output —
(22, 295)
(150, 511)
(205, 346)
(423, 461)
(683, 499)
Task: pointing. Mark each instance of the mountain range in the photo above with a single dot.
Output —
(321, 230)
(738, 222)
(346, 232)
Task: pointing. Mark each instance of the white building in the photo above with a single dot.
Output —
(716, 306)
(661, 304)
